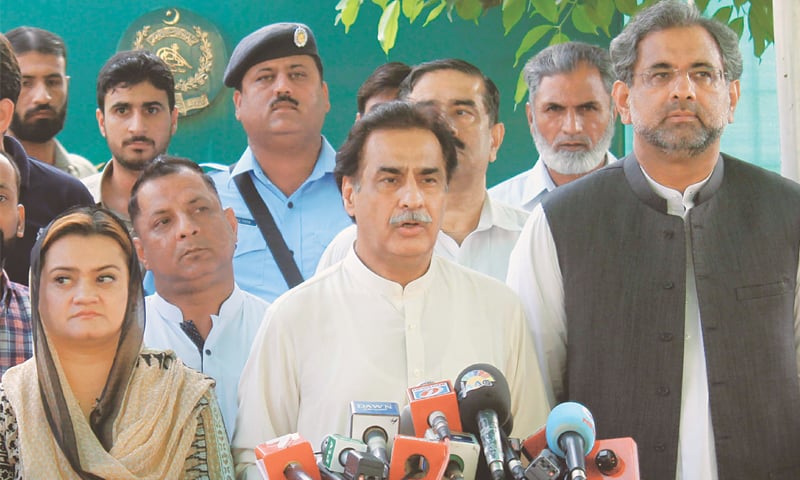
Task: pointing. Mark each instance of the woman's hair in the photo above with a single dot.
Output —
(88, 221)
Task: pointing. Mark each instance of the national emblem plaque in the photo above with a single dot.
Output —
(192, 48)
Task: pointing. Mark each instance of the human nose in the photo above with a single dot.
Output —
(40, 93)
(282, 84)
(136, 125)
(682, 85)
(186, 226)
(572, 122)
(411, 195)
(85, 292)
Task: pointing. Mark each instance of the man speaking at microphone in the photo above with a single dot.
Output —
(391, 314)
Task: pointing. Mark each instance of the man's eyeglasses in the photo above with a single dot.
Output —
(705, 77)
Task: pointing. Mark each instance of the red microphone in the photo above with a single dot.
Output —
(412, 456)
(290, 457)
(434, 405)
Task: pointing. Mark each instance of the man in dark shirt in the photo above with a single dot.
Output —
(44, 191)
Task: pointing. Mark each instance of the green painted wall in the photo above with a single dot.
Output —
(92, 29)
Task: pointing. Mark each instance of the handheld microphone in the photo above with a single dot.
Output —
(376, 424)
(513, 463)
(570, 434)
(363, 466)
(335, 449)
(464, 453)
(434, 405)
(484, 400)
(289, 456)
(418, 458)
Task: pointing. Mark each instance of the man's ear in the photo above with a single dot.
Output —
(101, 121)
(621, 94)
(137, 244)
(6, 114)
(349, 190)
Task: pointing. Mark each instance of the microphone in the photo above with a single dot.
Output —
(464, 453)
(513, 462)
(289, 456)
(434, 405)
(363, 466)
(484, 400)
(376, 424)
(418, 458)
(335, 449)
(570, 435)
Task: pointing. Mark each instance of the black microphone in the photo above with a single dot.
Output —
(570, 435)
(484, 401)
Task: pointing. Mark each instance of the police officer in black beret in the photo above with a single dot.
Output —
(281, 100)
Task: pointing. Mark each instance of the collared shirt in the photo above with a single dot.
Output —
(308, 220)
(72, 163)
(536, 276)
(97, 184)
(348, 334)
(225, 349)
(486, 249)
(16, 337)
(526, 190)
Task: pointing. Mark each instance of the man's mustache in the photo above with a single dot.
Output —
(138, 139)
(284, 98)
(39, 108)
(411, 216)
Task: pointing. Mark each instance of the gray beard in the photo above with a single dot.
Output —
(574, 163)
(669, 142)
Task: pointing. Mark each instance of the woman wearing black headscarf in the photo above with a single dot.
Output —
(92, 403)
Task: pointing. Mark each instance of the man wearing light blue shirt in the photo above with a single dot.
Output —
(281, 100)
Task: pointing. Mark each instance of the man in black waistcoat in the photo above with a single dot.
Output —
(663, 290)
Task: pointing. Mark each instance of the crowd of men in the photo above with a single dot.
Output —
(659, 289)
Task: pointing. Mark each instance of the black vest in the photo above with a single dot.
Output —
(623, 261)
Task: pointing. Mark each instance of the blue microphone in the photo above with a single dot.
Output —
(570, 434)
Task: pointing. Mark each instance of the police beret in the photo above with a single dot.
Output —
(272, 41)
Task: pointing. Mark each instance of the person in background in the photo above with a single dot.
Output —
(282, 188)
(186, 239)
(92, 403)
(16, 342)
(136, 114)
(477, 232)
(42, 105)
(44, 190)
(381, 86)
(571, 117)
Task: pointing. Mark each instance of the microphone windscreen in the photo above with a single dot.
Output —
(482, 387)
(569, 417)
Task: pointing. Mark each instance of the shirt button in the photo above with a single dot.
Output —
(208, 351)
(411, 326)
(665, 336)
(668, 234)
(417, 373)
(659, 447)
(290, 205)
(662, 391)
(668, 285)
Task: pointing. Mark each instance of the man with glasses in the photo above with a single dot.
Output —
(665, 286)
